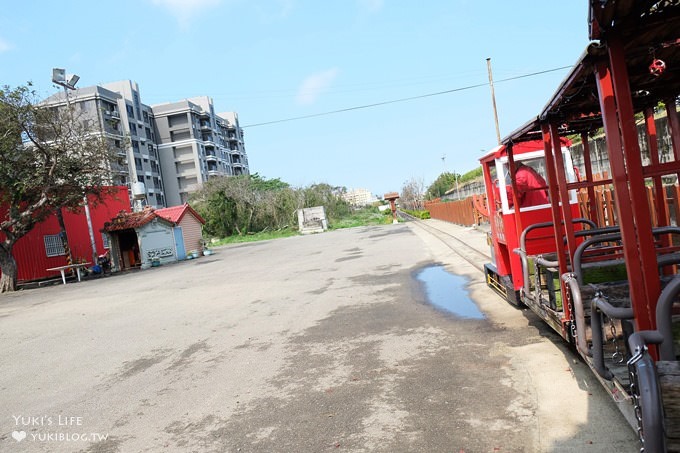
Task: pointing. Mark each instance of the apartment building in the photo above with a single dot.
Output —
(103, 106)
(195, 144)
(359, 197)
(136, 120)
(172, 148)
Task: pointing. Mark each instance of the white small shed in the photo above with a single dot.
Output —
(189, 221)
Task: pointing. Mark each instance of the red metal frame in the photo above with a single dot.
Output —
(660, 196)
(589, 177)
(644, 247)
(624, 198)
(557, 216)
(674, 125)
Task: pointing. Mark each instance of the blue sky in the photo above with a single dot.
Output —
(271, 60)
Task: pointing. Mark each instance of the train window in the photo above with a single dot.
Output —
(531, 181)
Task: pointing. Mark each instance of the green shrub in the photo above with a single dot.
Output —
(418, 214)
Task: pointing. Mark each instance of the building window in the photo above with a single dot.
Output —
(140, 178)
(135, 98)
(54, 245)
(130, 111)
(105, 240)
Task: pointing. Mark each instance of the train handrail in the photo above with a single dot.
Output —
(521, 251)
(579, 316)
(647, 399)
(647, 383)
(664, 318)
(599, 302)
(535, 226)
(610, 237)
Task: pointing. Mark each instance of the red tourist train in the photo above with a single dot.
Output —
(609, 284)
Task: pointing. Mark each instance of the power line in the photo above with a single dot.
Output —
(394, 101)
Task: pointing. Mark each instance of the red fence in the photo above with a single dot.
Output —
(461, 212)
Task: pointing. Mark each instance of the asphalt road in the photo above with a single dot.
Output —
(306, 344)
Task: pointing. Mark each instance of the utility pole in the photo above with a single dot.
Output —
(493, 100)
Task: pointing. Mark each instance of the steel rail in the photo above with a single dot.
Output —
(444, 237)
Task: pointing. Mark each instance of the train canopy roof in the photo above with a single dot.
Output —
(649, 31)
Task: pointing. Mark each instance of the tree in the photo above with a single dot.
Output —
(441, 185)
(411, 196)
(50, 158)
(243, 204)
(251, 203)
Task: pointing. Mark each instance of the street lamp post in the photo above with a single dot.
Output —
(69, 81)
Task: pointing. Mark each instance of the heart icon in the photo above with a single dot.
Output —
(19, 435)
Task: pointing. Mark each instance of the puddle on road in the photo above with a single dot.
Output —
(448, 292)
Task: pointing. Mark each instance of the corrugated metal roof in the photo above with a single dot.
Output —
(175, 213)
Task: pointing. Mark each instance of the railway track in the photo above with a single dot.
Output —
(455, 244)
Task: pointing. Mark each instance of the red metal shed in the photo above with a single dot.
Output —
(41, 248)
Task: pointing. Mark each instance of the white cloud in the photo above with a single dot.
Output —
(4, 45)
(185, 10)
(371, 6)
(315, 85)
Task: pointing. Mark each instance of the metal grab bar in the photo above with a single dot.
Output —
(609, 237)
(540, 260)
(664, 318)
(600, 303)
(644, 378)
(579, 315)
(535, 226)
(644, 383)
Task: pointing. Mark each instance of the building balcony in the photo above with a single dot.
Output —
(184, 159)
(211, 158)
(179, 127)
(186, 173)
(112, 114)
